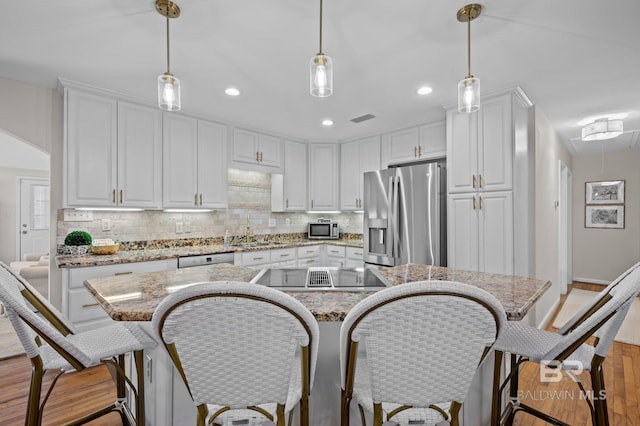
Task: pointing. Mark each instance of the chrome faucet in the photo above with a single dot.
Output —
(248, 235)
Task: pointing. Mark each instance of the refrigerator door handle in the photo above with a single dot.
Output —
(395, 243)
(390, 222)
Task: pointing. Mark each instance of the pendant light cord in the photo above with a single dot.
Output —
(320, 51)
(469, 45)
(168, 49)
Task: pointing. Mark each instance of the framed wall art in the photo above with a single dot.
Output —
(605, 192)
(604, 217)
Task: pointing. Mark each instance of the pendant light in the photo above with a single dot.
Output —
(321, 70)
(168, 85)
(469, 87)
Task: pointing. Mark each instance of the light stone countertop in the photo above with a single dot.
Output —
(134, 297)
(130, 256)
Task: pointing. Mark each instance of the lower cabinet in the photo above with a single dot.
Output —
(79, 306)
(354, 258)
(335, 256)
(309, 256)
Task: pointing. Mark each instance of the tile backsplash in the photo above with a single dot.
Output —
(249, 196)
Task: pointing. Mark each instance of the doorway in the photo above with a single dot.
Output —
(565, 234)
(33, 216)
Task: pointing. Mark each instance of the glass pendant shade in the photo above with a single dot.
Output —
(168, 92)
(321, 76)
(602, 129)
(469, 94)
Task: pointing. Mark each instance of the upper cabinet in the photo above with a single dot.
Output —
(356, 158)
(323, 177)
(261, 152)
(113, 152)
(289, 190)
(416, 143)
(195, 163)
(480, 148)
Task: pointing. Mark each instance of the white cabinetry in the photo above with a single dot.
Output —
(323, 177)
(283, 258)
(356, 158)
(354, 257)
(416, 143)
(309, 256)
(113, 152)
(195, 163)
(289, 190)
(79, 306)
(335, 256)
(483, 149)
(256, 148)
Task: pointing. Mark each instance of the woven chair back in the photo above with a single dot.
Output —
(423, 341)
(238, 344)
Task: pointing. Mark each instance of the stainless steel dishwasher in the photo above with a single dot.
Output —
(204, 259)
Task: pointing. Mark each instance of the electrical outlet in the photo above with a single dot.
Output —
(106, 224)
(346, 222)
(179, 227)
(287, 222)
(272, 222)
(78, 215)
(187, 227)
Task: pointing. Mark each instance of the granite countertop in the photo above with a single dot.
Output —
(134, 297)
(130, 256)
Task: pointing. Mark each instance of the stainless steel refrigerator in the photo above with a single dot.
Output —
(405, 215)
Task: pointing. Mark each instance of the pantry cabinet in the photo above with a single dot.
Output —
(356, 158)
(323, 177)
(113, 152)
(195, 163)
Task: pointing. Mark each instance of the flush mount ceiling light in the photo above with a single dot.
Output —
(469, 87)
(603, 128)
(168, 85)
(321, 70)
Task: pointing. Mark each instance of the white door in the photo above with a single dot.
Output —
(462, 231)
(496, 232)
(180, 162)
(212, 165)
(34, 216)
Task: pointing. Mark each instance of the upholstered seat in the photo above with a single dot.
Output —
(247, 353)
(408, 353)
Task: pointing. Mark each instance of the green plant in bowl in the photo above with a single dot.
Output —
(78, 238)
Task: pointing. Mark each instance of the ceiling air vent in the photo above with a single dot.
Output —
(363, 118)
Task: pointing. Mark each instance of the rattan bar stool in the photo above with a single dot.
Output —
(247, 353)
(568, 349)
(423, 343)
(52, 343)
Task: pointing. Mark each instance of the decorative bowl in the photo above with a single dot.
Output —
(111, 249)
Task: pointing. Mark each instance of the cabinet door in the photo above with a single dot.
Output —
(462, 152)
(295, 176)
(245, 146)
(212, 165)
(403, 145)
(180, 160)
(270, 148)
(323, 177)
(495, 145)
(496, 232)
(91, 150)
(462, 231)
(139, 156)
(433, 140)
(350, 176)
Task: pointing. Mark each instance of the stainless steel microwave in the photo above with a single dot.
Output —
(323, 231)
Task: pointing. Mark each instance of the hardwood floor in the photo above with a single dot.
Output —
(78, 394)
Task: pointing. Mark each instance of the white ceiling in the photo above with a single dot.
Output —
(574, 58)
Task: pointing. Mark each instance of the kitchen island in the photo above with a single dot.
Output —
(134, 298)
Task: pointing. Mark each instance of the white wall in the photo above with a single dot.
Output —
(548, 150)
(600, 255)
(34, 115)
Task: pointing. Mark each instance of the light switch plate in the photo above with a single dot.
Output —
(187, 227)
(287, 222)
(179, 227)
(272, 222)
(106, 224)
(78, 216)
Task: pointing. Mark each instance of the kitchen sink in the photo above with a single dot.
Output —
(321, 279)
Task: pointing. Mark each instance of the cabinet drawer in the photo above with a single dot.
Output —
(335, 251)
(310, 261)
(256, 257)
(283, 255)
(83, 307)
(354, 253)
(310, 251)
(78, 276)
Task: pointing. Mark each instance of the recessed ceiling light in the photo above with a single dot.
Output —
(327, 122)
(424, 90)
(232, 91)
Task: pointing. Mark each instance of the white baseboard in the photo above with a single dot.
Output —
(591, 281)
(549, 314)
